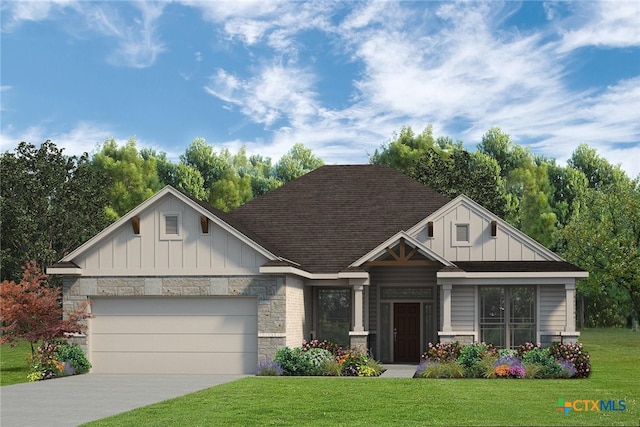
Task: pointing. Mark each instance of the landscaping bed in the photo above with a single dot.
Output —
(480, 360)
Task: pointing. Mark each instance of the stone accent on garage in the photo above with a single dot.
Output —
(269, 291)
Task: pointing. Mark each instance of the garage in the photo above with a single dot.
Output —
(173, 335)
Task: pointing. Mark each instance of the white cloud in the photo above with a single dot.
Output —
(606, 24)
(276, 93)
(17, 12)
(138, 44)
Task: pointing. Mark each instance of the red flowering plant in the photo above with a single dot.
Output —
(442, 352)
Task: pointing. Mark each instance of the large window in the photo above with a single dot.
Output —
(507, 315)
(334, 315)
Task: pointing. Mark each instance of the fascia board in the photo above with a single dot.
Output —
(462, 199)
(65, 271)
(513, 275)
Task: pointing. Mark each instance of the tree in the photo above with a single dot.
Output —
(598, 170)
(133, 179)
(295, 163)
(203, 158)
(509, 155)
(603, 237)
(534, 215)
(404, 152)
(32, 310)
(50, 203)
(453, 171)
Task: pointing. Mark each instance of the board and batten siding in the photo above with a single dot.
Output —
(218, 252)
(463, 305)
(552, 309)
(506, 246)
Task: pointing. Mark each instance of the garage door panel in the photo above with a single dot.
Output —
(174, 324)
(174, 335)
(167, 306)
(167, 363)
(162, 343)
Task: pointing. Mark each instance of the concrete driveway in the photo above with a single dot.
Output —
(74, 400)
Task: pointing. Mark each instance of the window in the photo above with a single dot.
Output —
(170, 226)
(462, 232)
(334, 315)
(507, 315)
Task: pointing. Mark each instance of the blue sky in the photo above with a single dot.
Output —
(340, 77)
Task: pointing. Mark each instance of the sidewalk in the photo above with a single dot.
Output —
(399, 371)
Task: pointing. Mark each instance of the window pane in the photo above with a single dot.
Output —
(462, 233)
(171, 224)
(334, 315)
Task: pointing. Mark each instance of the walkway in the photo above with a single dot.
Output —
(399, 371)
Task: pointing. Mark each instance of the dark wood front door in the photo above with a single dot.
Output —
(406, 332)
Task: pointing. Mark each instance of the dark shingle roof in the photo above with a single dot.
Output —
(330, 217)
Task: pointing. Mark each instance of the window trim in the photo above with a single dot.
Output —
(507, 324)
(163, 225)
(454, 234)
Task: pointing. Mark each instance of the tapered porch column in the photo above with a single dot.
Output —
(358, 335)
(358, 294)
(570, 335)
(446, 308)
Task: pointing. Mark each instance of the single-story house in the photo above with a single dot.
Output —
(359, 254)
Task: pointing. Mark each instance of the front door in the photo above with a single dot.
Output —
(406, 332)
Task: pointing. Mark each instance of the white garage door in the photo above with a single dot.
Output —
(174, 335)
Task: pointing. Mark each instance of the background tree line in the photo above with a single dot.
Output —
(586, 211)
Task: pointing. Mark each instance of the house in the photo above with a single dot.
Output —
(361, 255)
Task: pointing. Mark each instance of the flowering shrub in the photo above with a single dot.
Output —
(44, 364)
(442, 352)
(268, 368)
(334, 348)
(508, 366)
(574, 354)
(527, 361)
(325, 358)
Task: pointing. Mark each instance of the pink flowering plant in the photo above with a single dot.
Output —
(575, 355)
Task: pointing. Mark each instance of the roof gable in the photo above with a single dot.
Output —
(509, 243)
(218, 218)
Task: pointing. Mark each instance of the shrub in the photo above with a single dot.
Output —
(442, 352)
(471, 355)
(429, 369)
(315, 357)
(268, 368)
(73, 355)
(575, 354)
(542, 357)
(292, 362)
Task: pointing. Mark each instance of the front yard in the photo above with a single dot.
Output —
(615, 359)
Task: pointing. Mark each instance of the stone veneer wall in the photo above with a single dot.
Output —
(269, 290)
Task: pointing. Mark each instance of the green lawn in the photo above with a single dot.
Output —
(14, 363)
(615, 357)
